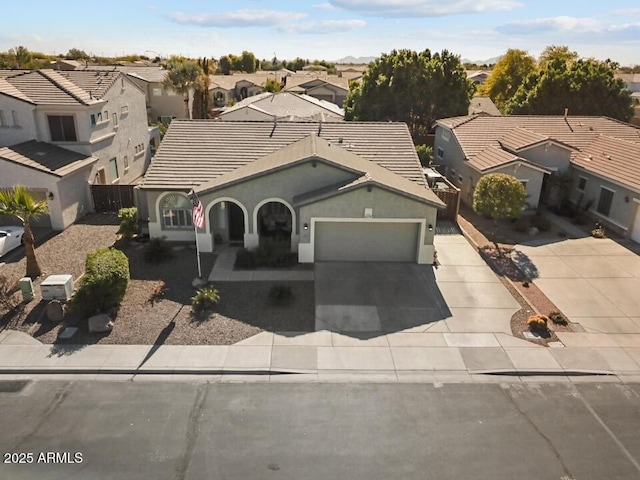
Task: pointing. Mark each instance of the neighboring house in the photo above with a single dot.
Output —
(632, 82)
(479, 105)
(601, 151)
(96, 114)
(479, 77)
(333, 190)
(225, 89)
(331, 88)
(53, 173)
(64, 64)
(282, 106)
(163, 104)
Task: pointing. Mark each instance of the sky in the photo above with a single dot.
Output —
(324, 29)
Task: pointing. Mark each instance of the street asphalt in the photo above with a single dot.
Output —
(159, 430)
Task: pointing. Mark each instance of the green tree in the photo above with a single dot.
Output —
(499, 196)
(425, 154)
(76, 54)
(507, 76)
(584, 87)
(201, 90)
(18, 202)
(224, 65)
(182, 75)
(271, 85)
(556, 52)
(412, 87)
(247, 62)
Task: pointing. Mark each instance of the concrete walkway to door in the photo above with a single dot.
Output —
(461, 295)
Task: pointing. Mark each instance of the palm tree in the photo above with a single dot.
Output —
(182, 75)
(18, 202)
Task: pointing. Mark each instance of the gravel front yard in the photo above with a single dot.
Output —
(243, 311)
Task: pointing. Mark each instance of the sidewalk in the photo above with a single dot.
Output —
(331, 357)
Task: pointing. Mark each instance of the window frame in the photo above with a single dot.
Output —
(600, 201)
(584, 187)
(113, 165)
(176, 217)
(440, 152)
(50, 119)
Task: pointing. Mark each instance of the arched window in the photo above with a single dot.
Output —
(175, 210)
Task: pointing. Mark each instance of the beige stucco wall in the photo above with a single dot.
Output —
(283, 186)
(11, 134)
(167, 104)
(549, 155)
(623, 206)
(384, 205)
(246, 113)
(534, 181)
(72, 198)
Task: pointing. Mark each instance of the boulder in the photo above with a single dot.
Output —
(533, 231)
(100, 323)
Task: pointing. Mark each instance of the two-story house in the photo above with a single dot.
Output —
(64, 130)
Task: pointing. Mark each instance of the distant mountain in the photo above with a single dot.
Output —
(356, 60)
(488, 61)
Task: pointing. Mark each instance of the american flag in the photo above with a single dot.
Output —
(197, 211)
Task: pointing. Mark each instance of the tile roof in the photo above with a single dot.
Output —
(315, 147)
(149, 73)
(287, 104)
(612, 158)
(46, 157)
(196, 151)
(492, 157)
(483, 105)
(54, 87)
(477, 132)
(519, 138)
(8, 89)
(303, 80)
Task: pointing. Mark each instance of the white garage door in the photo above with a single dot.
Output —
(366, 241)
(635, 233)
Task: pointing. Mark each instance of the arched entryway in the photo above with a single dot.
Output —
(228, 222)
(275, 223)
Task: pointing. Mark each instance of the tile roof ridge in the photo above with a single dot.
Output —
(67, 86)
(617, 139)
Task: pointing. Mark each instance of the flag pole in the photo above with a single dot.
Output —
(198, 252)
(198, 223)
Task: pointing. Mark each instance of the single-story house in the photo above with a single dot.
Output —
(332, 190)
(283, 106)
(600, 155)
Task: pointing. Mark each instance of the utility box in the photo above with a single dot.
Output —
(26, 287)
(57, 287)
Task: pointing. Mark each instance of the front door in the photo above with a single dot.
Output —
(236, 223)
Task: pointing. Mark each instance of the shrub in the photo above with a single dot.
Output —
(266, 256)
(522, 224)
(104, 283)
(204, 299)
(280, 294)
(538, 322)
(541, 223)
(558, 318)
(128, 222)
(7, 290)
(158, 291)
(599, 232)
(157, 250)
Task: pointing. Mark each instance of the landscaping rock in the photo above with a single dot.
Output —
(100, 323)
(533, 231)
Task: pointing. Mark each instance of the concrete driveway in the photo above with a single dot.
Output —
(461, 295)
(595, 282)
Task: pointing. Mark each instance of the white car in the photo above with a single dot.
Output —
(10, 238)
